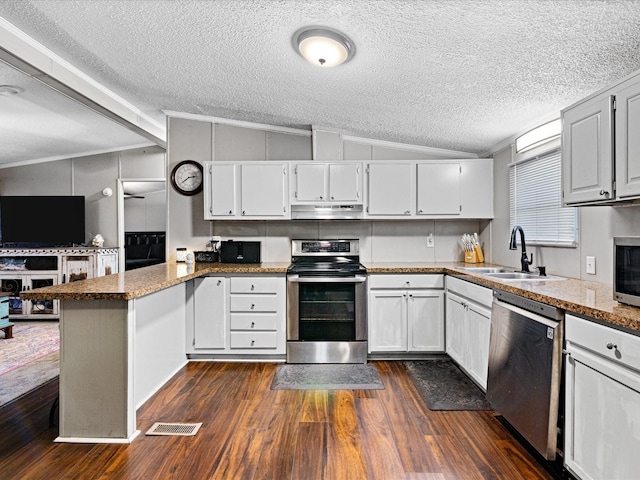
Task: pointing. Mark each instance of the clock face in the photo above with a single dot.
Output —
(186, 177)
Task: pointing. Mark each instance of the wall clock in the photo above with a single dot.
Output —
(186, 177)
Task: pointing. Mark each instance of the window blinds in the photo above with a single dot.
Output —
(535, 198)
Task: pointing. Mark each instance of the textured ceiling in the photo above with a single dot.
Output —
(454, 74)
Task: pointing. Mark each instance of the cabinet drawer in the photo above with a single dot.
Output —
(253, 321)
(406, 281)
(625, 348)
(477, 293)
(254, 303)
(254, 285)
(251, 340)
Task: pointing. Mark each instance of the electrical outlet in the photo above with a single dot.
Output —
(591, 265)
(430, 241)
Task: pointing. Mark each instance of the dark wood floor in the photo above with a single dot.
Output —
(252, 432)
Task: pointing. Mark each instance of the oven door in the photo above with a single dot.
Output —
(331, 309)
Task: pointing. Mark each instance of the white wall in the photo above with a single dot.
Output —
(86, 176)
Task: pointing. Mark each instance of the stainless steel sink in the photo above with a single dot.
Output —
(506, 275)
(486, 270)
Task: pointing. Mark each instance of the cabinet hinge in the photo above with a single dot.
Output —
(357, 169)
(615, 104)
(367, 209)
(193, 342)
(460, 208)
(284, 170)
(367, 170)
(295, 170)
(210, 169)
(460, 168)
(296, 194)
(211, 210)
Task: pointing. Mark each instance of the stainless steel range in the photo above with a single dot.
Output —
(326, 303)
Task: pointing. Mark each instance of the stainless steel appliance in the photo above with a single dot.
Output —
(326, 303)
(525, 368)
(626, 270)
(326, 212)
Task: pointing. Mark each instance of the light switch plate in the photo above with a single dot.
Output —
(591, 265)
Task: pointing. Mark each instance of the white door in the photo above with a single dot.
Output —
(221, 191)
(478, 331)
(310, 182)
(425, 313)
(628, 141)
(455, 325)
(210, 313)
(391, 189)
(602, 438)
(345, 182)
(264, 190)
(388, 321)
(587, 152)
(438, 189)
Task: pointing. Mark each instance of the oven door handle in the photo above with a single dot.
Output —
(299, 279)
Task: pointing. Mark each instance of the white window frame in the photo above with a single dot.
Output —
(535, 201)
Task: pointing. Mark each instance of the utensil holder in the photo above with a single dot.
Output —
(479, 255)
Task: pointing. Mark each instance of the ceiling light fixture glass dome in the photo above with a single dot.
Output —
(323, 47)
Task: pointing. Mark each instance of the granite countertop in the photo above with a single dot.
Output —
(589, 299)
(143, 281)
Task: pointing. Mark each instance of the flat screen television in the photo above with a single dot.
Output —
(42, 221)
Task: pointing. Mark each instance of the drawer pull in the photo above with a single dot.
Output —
(253, 324)
(253, 287)
(253, 305)
(253, 342)
(612, 346)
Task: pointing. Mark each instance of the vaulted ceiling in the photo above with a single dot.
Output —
(454, 74)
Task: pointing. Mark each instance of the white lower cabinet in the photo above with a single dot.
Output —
(406, 313)
(602, 394)
(468, 324)
(238, 316)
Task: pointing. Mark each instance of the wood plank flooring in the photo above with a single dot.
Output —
(252, 432)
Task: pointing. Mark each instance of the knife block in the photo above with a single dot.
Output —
(476, 256)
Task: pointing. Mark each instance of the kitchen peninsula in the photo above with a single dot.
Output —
(123, 335)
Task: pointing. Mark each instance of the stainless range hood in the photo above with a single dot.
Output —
(326, 212)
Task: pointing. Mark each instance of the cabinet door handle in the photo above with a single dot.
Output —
(243, 212)
(219, 282)
(407, 212)
(253, 324)
(253, 342)
(604, 193)
(321, 197)
(420, 211)
(253, 287)
(612, 346)
(230, 212)
(253, 305)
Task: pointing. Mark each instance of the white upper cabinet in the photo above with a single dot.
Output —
(264, 190)
(587, 152)
(627, 140)
(220, 190)
(391, 189)
(246, 191)
(327, 183)
(439, 189)
(601, 146)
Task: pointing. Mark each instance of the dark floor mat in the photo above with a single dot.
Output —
(443, 386)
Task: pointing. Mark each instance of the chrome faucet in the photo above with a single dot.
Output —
(524, 260)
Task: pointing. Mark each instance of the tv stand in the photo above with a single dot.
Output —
(23, 269)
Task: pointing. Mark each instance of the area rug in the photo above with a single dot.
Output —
(443, 386)
(31, 340)
(327, 377)
(22, 380)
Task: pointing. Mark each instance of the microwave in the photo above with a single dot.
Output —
(626, 270)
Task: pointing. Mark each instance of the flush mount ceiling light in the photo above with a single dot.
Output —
(539, 135)
(322, 46)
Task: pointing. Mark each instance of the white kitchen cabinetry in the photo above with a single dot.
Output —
(391, 189)
(406, 313)
(314, 182)
(238, 316)
(602, 394)
(601, 147)
(439, 189)
(468, 324)
(248, 191)
(587, 151)
(211, 317)
(627, 140)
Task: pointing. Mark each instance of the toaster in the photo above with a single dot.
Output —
(240, 252)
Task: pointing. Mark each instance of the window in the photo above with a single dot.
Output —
(535, 202)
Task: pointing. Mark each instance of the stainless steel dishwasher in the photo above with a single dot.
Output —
(525, 368)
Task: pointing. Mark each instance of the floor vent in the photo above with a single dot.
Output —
(183, 429)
